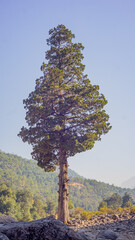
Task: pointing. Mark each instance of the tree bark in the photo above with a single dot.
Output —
(63, 212)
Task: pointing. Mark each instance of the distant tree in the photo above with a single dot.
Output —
(77, 212)
(102, 204)
(65, 113)
(24, 196)
(114, 202)
(71, 205)
(39, 207)
(50, 208)
(6, 191)
(127, 200)
(8, 204)
(25, 199)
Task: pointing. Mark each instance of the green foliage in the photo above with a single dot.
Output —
(133, 209)
(127, 200)
(102, 205)
(38, 209)
(65, 109)
(77, 212)
(65, 112)
(116, 202)
(21, 174)
(51, 207)
(81, 214)
(86, 215)
(70, 205)
(20, 204)
(105, 210)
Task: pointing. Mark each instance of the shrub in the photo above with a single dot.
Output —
(86, 215)
(132, 210)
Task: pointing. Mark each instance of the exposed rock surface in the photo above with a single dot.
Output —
(119, 227)
(43, 229)
(98, 228)
(121, 230)
(108, 234)
(3, 237)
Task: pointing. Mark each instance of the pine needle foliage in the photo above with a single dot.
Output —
(65, 108)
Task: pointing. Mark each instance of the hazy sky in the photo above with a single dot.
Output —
(106, 28)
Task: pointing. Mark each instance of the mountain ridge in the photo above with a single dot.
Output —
(130, 183)
(20, 173)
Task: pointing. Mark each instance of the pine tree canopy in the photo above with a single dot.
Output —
(65, 109)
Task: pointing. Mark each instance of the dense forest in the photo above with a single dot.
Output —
(18, 174)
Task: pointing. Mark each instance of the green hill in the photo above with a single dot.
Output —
(23, 174)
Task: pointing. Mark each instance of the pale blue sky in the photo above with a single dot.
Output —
(106, 28)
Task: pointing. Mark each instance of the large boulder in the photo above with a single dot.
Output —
(43, 229)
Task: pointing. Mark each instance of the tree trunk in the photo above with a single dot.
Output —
(63, 212)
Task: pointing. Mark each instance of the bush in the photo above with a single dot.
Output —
(77, 212)
(105, 211)
(132, 210)
(86, 215)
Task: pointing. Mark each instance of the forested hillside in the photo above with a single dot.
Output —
(23, 174)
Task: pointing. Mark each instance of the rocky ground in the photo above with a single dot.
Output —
(120, 226)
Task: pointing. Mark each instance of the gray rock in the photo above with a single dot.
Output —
(43, 229)
(107, 234)
(85, 233)
(3, 237)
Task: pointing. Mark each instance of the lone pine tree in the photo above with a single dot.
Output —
(65, 112)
